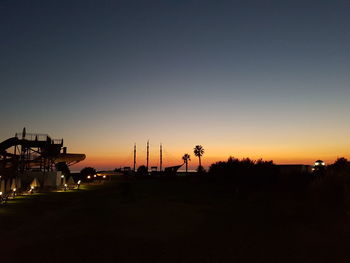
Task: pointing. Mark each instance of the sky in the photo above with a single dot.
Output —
(259, 79)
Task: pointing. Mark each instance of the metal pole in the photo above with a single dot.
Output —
(135, 157)
(147, 154)
(161, 158)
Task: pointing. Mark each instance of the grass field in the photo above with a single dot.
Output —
(153, 221)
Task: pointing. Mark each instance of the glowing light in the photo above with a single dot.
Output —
(95, 175)
(62, 176)
(320, 163)
(104, 176)
(65, 185)
(0, 193)
(14, 189)
(79, 182)
(88, 177)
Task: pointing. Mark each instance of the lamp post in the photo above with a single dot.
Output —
(62, 179)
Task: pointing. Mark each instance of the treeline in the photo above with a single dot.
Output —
(331, 188)
(324, 191)
(244, 171)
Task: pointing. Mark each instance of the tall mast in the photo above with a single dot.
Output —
(147, 154)
(135, 157)
(160, 157)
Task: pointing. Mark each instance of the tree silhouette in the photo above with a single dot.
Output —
(87, 171)
(341, 163)
(142, 170)
(341, 166)
(186, 158)
(199, 151)
(245, 171)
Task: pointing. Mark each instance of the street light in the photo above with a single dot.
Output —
(65, 187)
(62, 179)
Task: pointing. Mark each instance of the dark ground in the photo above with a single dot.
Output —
(152, 221)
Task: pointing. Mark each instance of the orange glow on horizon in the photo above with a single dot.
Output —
(106, 154)
(109, 162)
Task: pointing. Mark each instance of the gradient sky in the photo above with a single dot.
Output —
(259, 79)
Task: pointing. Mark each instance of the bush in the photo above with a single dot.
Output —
(87, 171)
(244, 171)
(142, 170)
(330, 193)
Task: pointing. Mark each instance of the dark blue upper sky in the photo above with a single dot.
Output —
(242, 66)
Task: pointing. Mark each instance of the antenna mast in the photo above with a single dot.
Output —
(135, 157)
(147, 154)
(160, 157)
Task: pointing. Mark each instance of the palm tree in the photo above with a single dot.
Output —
(186, 158)
(198, 151)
